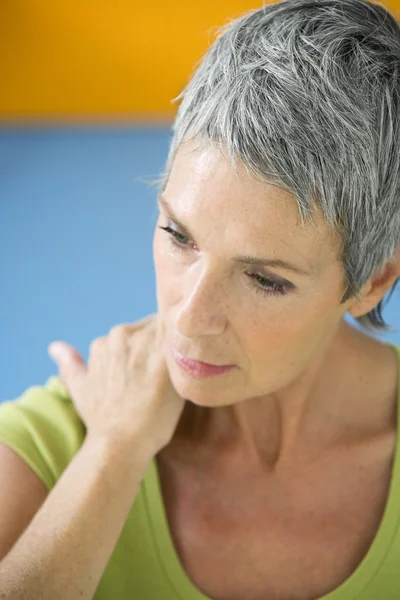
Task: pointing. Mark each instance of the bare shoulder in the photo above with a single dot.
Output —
(22, 493)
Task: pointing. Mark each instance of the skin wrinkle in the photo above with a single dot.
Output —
(306, 97)
(303, 375)
(243, 259)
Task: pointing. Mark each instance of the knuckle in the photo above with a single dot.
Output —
(96, 344)
(117, 332)
(118, 338)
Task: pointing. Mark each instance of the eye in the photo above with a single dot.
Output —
(268, 286)
(176, 236)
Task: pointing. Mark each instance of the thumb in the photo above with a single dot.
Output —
(71, 366)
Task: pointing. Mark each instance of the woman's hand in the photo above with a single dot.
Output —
(125, 392)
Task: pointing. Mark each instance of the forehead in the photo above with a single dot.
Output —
(205, 190)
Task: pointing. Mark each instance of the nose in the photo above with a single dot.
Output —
(203, 308)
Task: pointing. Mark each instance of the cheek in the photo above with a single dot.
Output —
(268, 341)
(283, 348)
(275, 354)
(275, 347)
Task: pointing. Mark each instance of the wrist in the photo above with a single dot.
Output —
(117, 449)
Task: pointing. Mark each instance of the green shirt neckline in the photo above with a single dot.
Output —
(349, 589)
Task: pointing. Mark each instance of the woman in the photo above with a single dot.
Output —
(273, 472)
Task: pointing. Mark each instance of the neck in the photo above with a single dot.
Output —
(328, 398)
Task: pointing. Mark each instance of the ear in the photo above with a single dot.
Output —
(376, 287)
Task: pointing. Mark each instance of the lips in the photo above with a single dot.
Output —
(198, 368)
(180, 356)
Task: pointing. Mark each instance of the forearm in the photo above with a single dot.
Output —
(65, 549)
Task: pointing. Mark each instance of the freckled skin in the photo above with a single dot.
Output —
(298, 363)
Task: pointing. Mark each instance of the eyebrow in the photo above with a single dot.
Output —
(248, 260)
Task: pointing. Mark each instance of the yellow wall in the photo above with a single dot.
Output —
(104, 59)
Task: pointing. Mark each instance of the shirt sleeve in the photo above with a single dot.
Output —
(43, 427)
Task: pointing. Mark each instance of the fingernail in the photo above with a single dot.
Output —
(56, 350)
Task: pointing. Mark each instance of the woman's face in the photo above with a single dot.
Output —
(268, 320)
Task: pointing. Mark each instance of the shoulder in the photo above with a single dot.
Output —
(43, 427)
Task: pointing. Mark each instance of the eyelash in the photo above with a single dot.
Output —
(269, 287)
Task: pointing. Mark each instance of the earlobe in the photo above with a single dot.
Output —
(359, 307)
(377, 287)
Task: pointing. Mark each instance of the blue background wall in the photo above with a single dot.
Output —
(76, 228)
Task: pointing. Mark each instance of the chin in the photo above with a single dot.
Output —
(201, 398)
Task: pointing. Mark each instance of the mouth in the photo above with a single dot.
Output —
(199, 368)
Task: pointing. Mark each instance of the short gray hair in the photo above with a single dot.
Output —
(307, 94)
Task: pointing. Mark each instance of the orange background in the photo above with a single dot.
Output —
(104, 60)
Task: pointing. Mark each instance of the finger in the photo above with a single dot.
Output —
(148, 321)
(98, 350)
(146, 325)
(71, 366)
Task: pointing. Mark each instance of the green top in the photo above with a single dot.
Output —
(43, 427)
